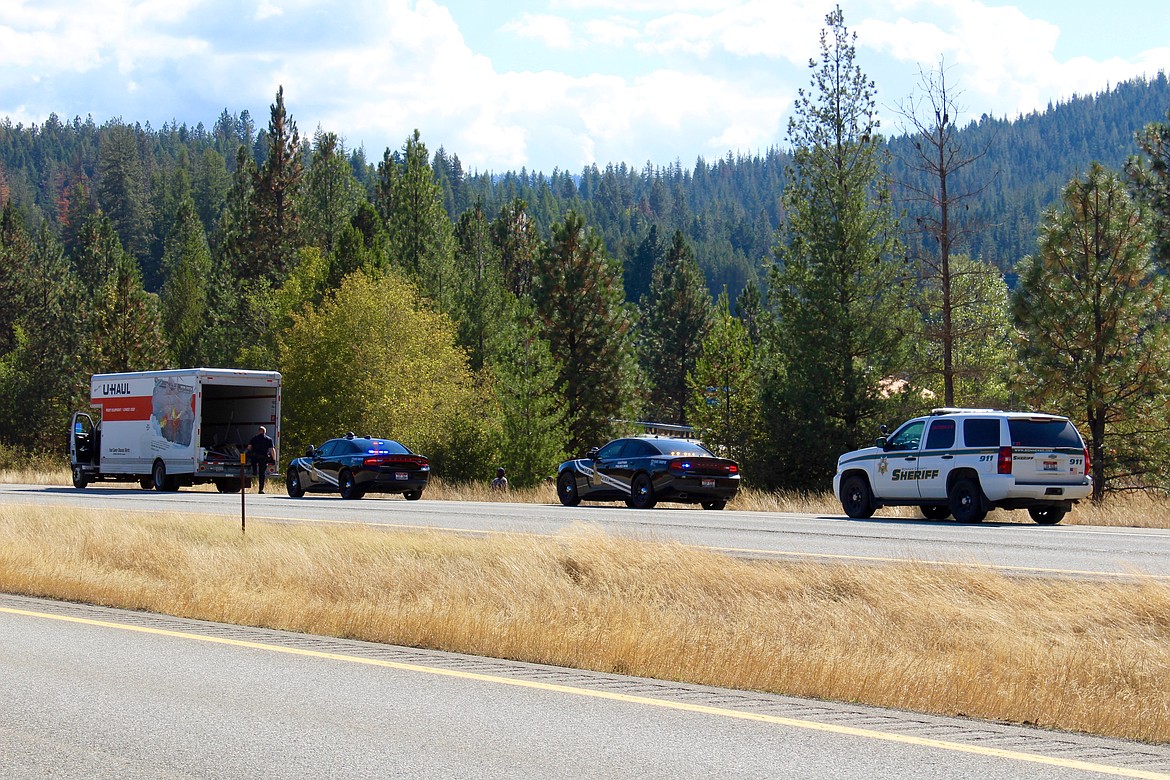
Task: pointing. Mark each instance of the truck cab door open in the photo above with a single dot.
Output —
(84, 444)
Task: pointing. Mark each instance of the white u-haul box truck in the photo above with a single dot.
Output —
(165, 429)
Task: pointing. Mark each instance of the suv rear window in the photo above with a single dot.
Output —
(981, 432)
(1044, 433)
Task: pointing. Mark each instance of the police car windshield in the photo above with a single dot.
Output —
(1044, 433)
(680, 447)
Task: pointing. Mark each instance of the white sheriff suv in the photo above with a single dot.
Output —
(966, 462)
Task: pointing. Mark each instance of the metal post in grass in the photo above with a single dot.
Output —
(243, 492)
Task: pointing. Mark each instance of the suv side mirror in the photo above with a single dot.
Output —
(311, 451)
(881, 441)
(592, 454)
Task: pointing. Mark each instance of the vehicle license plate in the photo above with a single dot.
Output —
(708, 483)
(401, 475)
(1050, 465)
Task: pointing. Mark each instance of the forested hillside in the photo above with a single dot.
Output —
(729, 208)
(559, 302)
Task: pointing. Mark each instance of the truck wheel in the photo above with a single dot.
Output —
(349, 488)
(158, 475)
(79, 478)
(1047, 515)
(856, 497)
(161, 480)
(642, 493)
(714, 504)
(412, 495)
(146, 483)
(966, 500)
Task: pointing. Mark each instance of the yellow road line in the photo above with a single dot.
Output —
(752, 551)
(831, 728)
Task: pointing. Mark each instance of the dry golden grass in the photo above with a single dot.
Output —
(1080, 655)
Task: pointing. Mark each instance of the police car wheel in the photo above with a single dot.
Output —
(856, 497)
(714, 505)
(642, 493)
(293, 483)
(412, 495)
(567, 489)
(348, 487)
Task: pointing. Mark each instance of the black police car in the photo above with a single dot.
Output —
(356, 465)
(644, 470)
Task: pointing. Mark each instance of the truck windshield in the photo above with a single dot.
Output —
(1044, 433)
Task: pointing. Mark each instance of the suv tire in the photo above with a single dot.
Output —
(966, 501)
(935, 512)
(857, 498)
(1047, 515)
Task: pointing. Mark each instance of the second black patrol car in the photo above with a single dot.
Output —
(644, 470)
(356, 465)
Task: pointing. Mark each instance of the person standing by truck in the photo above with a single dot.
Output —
(261, 451)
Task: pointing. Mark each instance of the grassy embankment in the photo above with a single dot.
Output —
(1080, 655)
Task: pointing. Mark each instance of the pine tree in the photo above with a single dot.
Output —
(578, 295)
(981, 344)
(421, 237)
(47, 367)
(276, 189)
(1096, 342)
(531, 404)
(184, 296)
(15, 255)
(332, 193)
(838, 288)
(641, 264)
(676, 314)
(518, 243)
(724, 388)
(480, 300)
(126, 326)
(1149, 174)
(121, 189)
(96, 253)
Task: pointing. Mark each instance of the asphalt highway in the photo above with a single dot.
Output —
(96, 692)
(1013, 547)
(91, 692)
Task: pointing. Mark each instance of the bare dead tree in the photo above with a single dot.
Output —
(930, 114)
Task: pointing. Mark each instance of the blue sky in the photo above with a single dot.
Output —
(550, 84)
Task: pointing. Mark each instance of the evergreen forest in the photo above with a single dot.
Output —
(785, 303)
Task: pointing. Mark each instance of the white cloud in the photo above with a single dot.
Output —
(612, 31)
(553, 31)
(634, 79)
